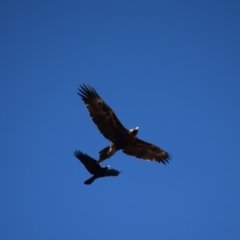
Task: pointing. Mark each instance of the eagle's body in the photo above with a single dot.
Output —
(112, 129)
(94, 168)
(121, 142)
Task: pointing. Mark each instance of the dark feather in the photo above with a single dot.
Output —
(90, 180)
(89, 163)
(147, 151)
(101, 114)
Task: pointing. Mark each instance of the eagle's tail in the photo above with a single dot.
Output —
(107, 153)
(90, 180)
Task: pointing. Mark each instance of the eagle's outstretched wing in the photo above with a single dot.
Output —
(141, 149)
(101, 114)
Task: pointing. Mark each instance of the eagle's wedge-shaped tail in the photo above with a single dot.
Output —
(106, 153)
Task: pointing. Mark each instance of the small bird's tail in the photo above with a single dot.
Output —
(90, 180)
(107, 153)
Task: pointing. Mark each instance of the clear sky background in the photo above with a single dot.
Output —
(170, 67)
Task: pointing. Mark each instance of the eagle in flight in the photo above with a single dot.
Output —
(112, 129)
(94, 168)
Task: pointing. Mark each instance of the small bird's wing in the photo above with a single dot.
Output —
(145, 150)
(90, 164)
(101, 114)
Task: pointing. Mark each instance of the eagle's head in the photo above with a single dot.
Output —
(134, 131)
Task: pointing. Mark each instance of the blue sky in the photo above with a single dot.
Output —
(169, 67)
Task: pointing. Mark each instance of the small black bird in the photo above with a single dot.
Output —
(94, 168)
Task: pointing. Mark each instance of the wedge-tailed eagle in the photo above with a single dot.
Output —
(112, 129)
(94, 168)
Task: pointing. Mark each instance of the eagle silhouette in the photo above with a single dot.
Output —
(112, 129)
(94, 168)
